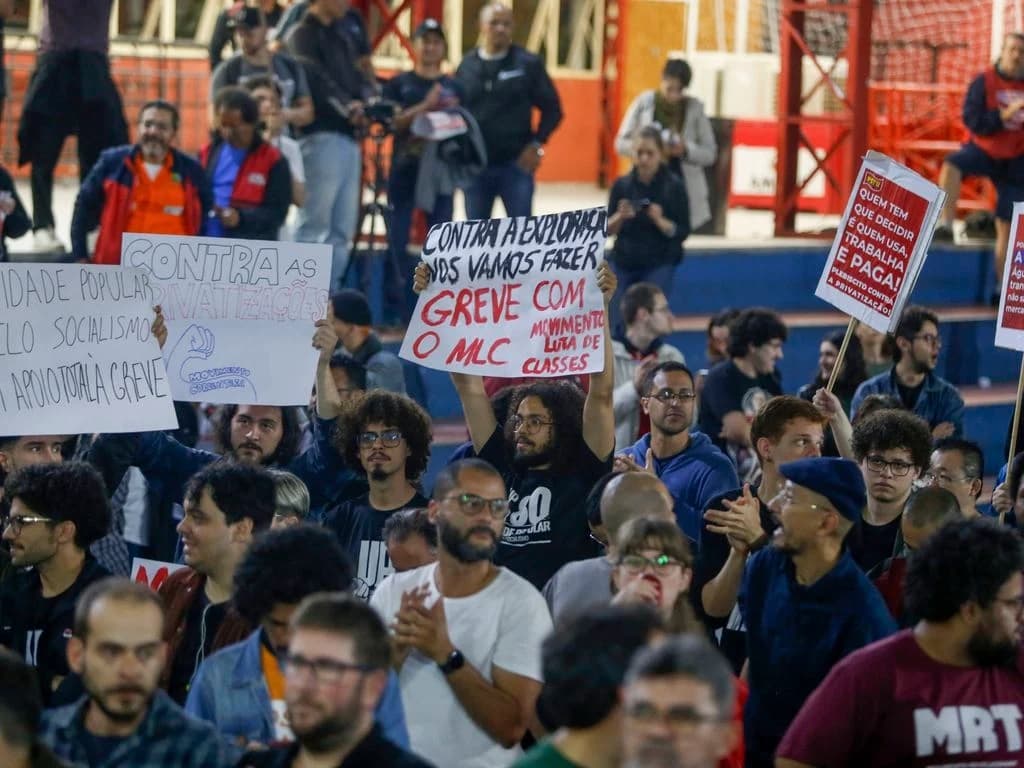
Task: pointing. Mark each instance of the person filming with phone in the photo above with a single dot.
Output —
(648, 213)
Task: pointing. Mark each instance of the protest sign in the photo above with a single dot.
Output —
(239, 314)
(1010, 320)
(881, 242)
(512, 297)
(152, 573)
(77, 354)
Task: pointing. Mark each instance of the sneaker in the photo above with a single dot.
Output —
(943, 234)
(45, 240)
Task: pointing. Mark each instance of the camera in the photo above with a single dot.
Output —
(381, 111)
(641, 204)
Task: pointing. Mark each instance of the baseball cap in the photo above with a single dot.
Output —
(429, 25)
(246, 16)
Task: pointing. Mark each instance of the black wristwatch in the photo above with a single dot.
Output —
(453, 663)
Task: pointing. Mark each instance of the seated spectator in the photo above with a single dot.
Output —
(14, 219)
(913, 380)
(241, 688)
(851, 375)
(268, 96)
(349, 312)
(226, 506)
(584, 664)
(640, 347)
(411, 539)
(251, 183)
(927, 510)
(333, 636)
(386, 436)
(958, 466)
(693, 469)
(585, 584)
(56, 512)
(291, 499)
(678, 699)
(124, 720)
(717, 345)
(648, 216)
(146, 187)
(21, 710)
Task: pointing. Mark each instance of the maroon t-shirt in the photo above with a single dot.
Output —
(890, 704)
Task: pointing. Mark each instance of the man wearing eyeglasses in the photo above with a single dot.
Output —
(648, 319)
(946, 692)
(913, 379)
(466, 633)
(958, 466)
(805, 602)
(385, 437)
(893, 449)
(57, 511)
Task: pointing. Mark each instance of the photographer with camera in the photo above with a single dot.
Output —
(649, 216)
(425, 89)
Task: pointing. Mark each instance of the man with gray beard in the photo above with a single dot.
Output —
(466, 634)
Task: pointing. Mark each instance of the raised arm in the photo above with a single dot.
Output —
(598, 409)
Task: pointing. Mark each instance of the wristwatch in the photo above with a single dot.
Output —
(538, 148)
(453, 663)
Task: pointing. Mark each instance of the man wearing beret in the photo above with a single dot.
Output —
(805, 602)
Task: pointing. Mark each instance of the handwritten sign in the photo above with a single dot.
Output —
(1010, 320)
(76, 352)
(239, 313)
(881, 243)
(152, 573)
(512, 297)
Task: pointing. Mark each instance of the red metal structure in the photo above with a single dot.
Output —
(420, 9)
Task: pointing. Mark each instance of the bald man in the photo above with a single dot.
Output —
(587, 583)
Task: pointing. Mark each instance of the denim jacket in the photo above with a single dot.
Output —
(229, 691)
(939, 400)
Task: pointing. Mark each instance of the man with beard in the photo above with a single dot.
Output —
(388, 436)
(124, 721)
(958, 675)
(554, 446)
(805, 602)
(893, 448)
(145, 187)
(466, 634)
(241, 688)
(693, 469)
(678, 700)
(336, 671)
(912, 379)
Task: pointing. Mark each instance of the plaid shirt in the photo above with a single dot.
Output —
(166, 738)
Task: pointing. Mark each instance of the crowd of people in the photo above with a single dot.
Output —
(651, 566)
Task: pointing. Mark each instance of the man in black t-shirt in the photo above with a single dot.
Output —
(736, 389)
(385, 436)
(893, 448)
(554, 447)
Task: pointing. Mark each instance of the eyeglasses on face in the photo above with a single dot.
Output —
(898, 468)
(324, 671)
(680, 717)
(529, 424)
(389, 438)
(928, 338)
(661, 565)
(16, 524)
(667, 396)
(471, 504)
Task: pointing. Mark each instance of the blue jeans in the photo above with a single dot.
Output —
(509, 182)
(333, 164)
(399, 298)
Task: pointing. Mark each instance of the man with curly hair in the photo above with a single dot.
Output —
(386, 437)
(240, 688)
(57, 511)
(946, 692)
(893, 448)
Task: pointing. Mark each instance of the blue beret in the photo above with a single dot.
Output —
(838, 480)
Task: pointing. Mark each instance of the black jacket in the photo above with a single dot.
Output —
(501, 95)
(372, 752)
(640, 244)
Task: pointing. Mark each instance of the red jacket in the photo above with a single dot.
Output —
(1007, 143)
(262, 191)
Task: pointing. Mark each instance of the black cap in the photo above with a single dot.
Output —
(430, 25)
(351, 307)
(246, 16)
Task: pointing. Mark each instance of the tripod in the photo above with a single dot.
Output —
(366, 240)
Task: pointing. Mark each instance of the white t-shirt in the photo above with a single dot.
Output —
(289, 149)
(503, 625)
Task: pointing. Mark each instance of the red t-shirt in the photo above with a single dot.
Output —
(890, 704)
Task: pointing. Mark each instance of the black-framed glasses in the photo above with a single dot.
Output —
(529, 424)
(389, 437)
(678, 718)
(17, 523)
(931, 339)
(324, 671)
(661, 565)
(471, 504)
(898, 468)
(672, 395)
(943, 479)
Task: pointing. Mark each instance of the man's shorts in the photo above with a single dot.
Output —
(1007, 175)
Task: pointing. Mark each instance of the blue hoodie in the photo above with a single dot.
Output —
(693, 478)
